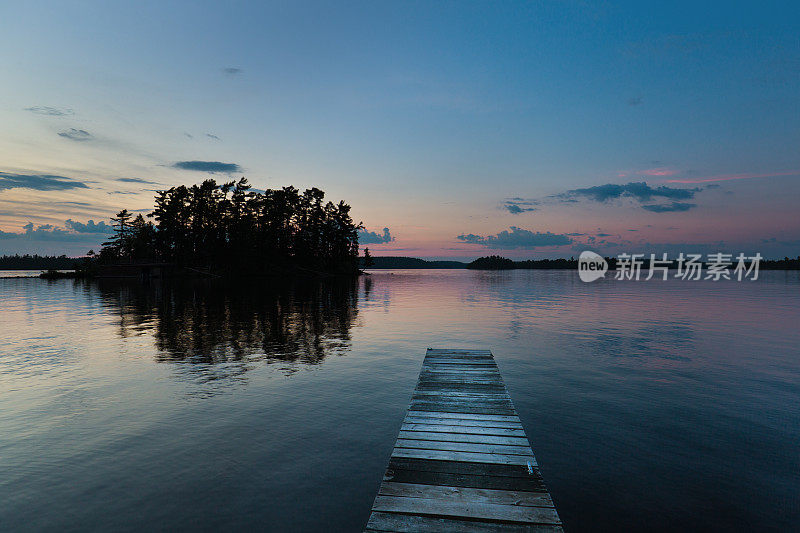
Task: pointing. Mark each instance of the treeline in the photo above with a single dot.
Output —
(496, 262)
(229, 228)
(37, 262)
(492, 262)
(409, 262)
(781, 264)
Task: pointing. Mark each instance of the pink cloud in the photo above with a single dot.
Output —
(734, 177)
(659, 172)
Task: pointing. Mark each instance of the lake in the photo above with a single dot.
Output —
(20, 273)
(657, 405)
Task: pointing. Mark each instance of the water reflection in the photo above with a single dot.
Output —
(663, 341)
(645, 375)
(215, 323)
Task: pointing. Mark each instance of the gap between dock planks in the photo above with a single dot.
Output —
(462, 461)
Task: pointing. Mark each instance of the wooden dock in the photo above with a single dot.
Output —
(462, 461)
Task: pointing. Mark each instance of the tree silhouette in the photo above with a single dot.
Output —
(116, 246)
(368, 261)
(230, 228)
(492, 262)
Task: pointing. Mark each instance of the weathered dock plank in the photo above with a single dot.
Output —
(462, 461)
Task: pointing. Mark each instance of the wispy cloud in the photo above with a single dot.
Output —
(71, 203)
(636, 100)
(212, 136)
(728, 177)
(50, 111)
(517, 206)
(657, 171)
(39, 182)
(517, 238)
(660, 171)
(232, 71)
(645, 195)
(640, 191)
(373, 237)
(76, 135)
(207, 166)
(666, 208)
(137, 180)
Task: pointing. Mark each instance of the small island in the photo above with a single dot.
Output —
(225, 230)
(496, 262)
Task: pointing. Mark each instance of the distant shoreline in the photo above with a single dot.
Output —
(496, 263)
(44, 263)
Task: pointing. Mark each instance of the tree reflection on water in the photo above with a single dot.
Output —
(224, 328)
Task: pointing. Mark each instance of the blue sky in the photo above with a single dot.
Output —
(431, 119)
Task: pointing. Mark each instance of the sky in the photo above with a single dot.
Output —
(454, 129)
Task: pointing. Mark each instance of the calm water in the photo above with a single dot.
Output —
(649, 405)
(20, 273)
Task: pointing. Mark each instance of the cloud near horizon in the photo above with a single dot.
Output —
(373, 237)
(38, 182)
(74, 232)
(517, 238)
(73, 239)
(89, 227)
(207, 166)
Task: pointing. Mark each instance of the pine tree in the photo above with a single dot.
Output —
(119, 244)
(368, 261)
